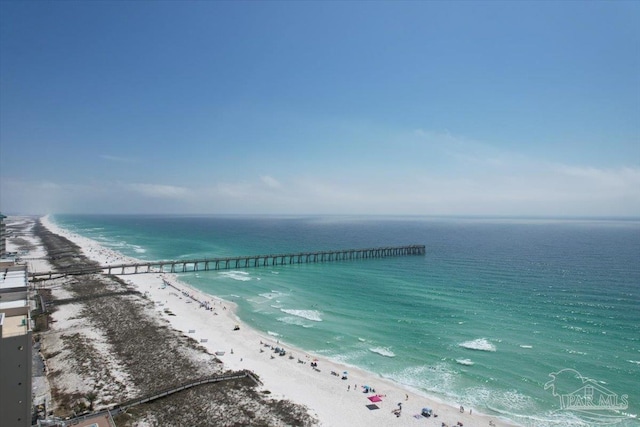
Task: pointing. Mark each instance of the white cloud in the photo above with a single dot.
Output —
(160, 191)
(49, 186)
(429, 173)
(624, 177)
(458, 150)
(270, 182)
(34, 197)
(237, 190)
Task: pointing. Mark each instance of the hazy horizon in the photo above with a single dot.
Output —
(364, 217)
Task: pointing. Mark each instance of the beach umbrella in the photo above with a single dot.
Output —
(375, 398)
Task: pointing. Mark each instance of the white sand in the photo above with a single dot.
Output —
(36, 258)
(326, 395)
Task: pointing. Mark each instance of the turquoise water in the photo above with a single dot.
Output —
(481, 320)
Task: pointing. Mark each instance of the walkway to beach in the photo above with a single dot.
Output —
(109, 413)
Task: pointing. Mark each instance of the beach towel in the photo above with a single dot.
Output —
(372, 407)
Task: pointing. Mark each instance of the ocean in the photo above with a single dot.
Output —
(533, 320)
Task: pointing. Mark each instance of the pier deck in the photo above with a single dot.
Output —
(226, 263)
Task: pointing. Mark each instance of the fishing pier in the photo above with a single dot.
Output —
(226, 263)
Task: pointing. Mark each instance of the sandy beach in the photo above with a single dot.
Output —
(213, 324)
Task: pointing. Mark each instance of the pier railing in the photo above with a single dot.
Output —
(226, 263)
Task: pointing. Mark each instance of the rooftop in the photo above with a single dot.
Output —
(5, 305)
(14, 325)
(13, 277)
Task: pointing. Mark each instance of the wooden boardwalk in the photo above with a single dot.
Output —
(206, 264)
(118, 408)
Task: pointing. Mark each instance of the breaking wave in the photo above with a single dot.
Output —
(292, 320)
(242, 276)
(383, 351)
(313, 315)
(270, 295)
(480, 344)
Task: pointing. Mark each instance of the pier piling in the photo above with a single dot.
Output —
(184, 266)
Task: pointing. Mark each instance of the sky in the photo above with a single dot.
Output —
(364, 108)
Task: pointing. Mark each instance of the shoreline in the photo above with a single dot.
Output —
(211, 321)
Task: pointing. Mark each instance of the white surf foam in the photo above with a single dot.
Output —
(438, 379)
(466, 362)
(313, 315)
(270, 295)
(344, 358)
(242, 276)
(525, 346)
(298, 321)
(273, 334)
(499, 400)
(383, 351)
(480, 344)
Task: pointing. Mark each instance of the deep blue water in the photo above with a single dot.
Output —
(481, 320)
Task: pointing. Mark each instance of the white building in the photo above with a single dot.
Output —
(15, 347)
